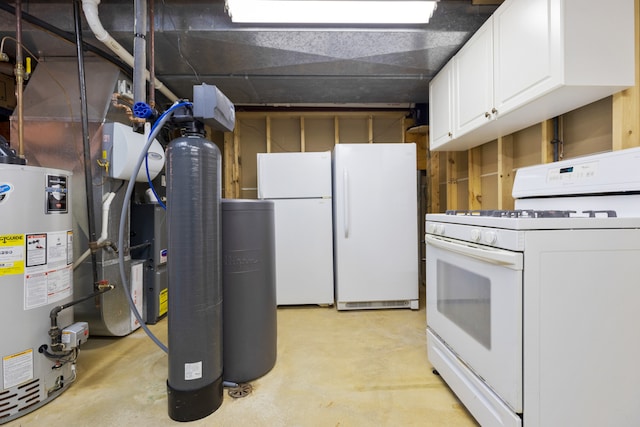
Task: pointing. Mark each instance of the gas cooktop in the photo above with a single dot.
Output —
(534, 213)
(534, 220)
(597, 191)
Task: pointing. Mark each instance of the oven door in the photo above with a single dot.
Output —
(474, 304)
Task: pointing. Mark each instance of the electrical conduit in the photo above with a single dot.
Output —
(86, 139)
(90, 8)
(19, 72)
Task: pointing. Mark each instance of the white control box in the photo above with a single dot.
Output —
(74, 335)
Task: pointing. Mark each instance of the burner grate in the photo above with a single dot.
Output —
(532, 213)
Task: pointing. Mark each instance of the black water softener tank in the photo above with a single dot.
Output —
(194, 274)
(248, 287)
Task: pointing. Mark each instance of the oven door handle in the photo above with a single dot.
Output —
(512, 260)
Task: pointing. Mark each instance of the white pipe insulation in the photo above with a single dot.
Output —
(106, 205)
(140, 51)
(90, 8)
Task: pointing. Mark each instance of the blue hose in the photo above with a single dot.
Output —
(155, 129)
(146, 157)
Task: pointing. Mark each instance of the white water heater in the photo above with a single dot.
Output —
(36, 275)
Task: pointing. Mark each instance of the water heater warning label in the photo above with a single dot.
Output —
(36, 249)
(48, 275)
(11, 254)
(17, 368)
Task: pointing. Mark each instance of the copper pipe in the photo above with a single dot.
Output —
(116, 98)
(19, 72)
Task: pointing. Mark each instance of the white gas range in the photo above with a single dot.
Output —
(533, 314)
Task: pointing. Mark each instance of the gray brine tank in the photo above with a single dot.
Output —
(248, 252)
(194, 385)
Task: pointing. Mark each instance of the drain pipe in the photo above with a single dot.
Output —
(139, 51)
(90, 8)
(152, 55)
(84, 117)
(19, 72)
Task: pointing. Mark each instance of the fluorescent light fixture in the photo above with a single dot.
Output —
(330, 11)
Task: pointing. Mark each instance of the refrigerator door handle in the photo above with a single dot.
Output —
(345, 183)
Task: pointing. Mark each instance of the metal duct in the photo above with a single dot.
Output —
(194, 270)
(90, 8)
(53, 138)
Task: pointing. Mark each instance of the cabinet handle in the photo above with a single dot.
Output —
(494, 111)
(487, 115)
(450, 134)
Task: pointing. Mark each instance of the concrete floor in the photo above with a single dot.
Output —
(361, 368)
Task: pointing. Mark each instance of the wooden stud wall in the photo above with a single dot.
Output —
(231, 160)
(452, 180)
(475, 178)
(505, 172)
(433, 175)
(305, 131)
(583, 131)
(456, 179)
(626, 104)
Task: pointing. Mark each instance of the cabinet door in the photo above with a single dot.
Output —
(526, 44)
(473, 81)
(441, 107)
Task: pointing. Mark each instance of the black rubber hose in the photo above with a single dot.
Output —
(53, 314)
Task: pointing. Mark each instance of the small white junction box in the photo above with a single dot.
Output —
(74, 335)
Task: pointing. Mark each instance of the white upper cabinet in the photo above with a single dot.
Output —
(473, 81)
(526, 50)
(440, 105)
(534, 60)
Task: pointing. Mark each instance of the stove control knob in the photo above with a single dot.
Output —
(440, 229)
(431, 228)
(476, 235)
(490, 237)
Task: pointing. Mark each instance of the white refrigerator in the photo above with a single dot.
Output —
(375, 226)
(300, 186)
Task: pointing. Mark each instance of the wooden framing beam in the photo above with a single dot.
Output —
(237, 166)
(303, 144)
(232, 163)
(268, 132)
(546, 148)
(319, 114)
(452, 180)
(505, 172)
(474, 156)
(227, 162)
(403, 127)
(433, 199)
(422, 151)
